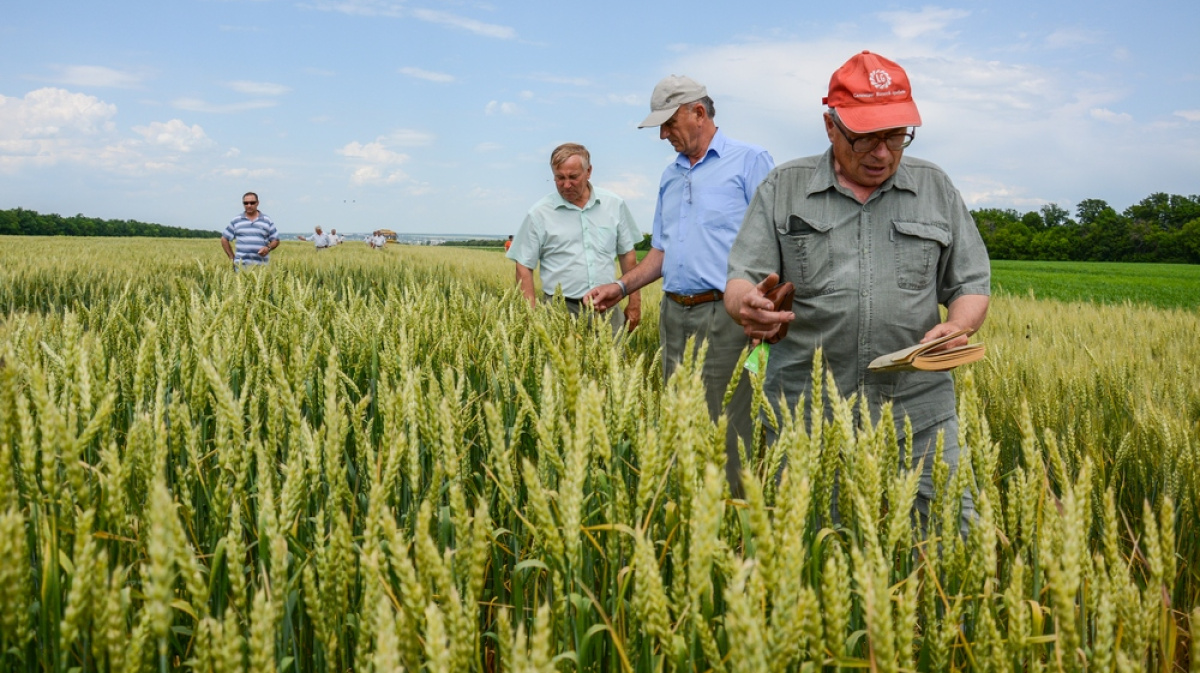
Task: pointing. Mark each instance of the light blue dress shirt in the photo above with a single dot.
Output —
(575, 246)
(700, 209)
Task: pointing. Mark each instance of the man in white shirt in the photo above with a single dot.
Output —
(320, 239)
(573, 234)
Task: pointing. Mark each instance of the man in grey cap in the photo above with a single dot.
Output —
(702, 197)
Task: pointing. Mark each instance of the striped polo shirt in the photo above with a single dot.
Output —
(249, 236)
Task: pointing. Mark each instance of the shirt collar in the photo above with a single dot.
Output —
(560, 202)
(824, 178)
(716, 147)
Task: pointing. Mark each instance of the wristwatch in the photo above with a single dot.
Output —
(621, 284)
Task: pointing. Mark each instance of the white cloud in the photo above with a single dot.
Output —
(910, 25)
(488, 147)
(625, 99)
(631, 186)
(1106, 115)
(391, 9)
(469, 25)
(358, 7)
(258, 88)
(408, 138)
(374, 153)
(376, 162)
(1010, 121)
(496, 107)
(243, 173)
(175, 135)
(50, 126)
(427, 75)
(198, 105)
(368, 175)
(53, 112)
(96, 76)
(979, 191)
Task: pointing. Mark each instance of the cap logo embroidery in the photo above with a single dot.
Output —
(880, 79)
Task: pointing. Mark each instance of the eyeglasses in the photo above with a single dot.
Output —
(868, 143)
(249, 203)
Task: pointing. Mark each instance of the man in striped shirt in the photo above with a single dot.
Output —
(253, 232)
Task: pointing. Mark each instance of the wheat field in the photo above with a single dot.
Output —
(385, 460)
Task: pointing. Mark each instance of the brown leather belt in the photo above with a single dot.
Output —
(691, 300)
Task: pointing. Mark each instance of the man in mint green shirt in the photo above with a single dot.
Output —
(574, 234)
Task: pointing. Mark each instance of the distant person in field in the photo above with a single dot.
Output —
(874, 241)
(573, 234)
(508, 243)
(251, 236)
(320, 239)
(701, 199)
(334, 239)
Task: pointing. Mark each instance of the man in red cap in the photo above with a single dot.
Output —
(874, 241)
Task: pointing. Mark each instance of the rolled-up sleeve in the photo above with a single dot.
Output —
(527, 244)
(964, 267)
(628, 234)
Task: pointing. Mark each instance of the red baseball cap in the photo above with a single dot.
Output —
(871, 93)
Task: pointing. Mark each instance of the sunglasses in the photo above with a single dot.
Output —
(249, 203)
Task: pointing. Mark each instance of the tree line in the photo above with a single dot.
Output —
(21, 222)
(475, 243)
(1160, 228)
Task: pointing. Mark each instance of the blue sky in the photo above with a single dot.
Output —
(440, 115)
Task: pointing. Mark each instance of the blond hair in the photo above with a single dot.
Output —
(566, 151)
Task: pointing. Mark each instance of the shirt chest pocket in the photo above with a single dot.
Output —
(601, 234)
(918, 246)
(807, 255)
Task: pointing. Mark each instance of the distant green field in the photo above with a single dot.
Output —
(1159, 285)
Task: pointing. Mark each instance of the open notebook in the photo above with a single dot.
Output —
(919, 357)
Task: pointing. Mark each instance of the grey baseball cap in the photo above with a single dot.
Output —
(669, 94)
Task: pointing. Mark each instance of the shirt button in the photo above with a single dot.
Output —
(863, 292)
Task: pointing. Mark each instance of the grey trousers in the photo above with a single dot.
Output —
(924, 450)
(710, 323)
(614, 315)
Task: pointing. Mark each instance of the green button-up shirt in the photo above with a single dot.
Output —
(869, 277)
(575, 246)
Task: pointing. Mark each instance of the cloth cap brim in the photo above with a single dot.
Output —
(659, 117)
(871, 118)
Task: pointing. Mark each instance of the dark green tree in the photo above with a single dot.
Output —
(1054, 215)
